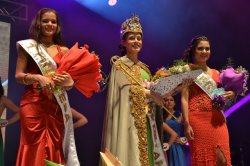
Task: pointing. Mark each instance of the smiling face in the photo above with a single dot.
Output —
(48, 24)
(133, 43)
(202, 52)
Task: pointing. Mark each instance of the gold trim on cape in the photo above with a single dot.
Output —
(138, 106)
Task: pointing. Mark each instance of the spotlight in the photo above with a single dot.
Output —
(112, 2)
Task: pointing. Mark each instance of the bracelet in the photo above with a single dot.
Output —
(24, 79)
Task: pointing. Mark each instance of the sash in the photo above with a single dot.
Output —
(207, 84)
(47, 66)
(159, 158)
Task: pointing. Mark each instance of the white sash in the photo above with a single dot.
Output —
(159, 158)
(47, 66)
(207, 84)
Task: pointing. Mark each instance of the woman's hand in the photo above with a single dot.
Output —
(155, 97)
(181, 140)
(229, 95)
(166, 146)
(46, 83)
(187, 82)
(178, 140)
(63, 79)
(189, 131)
(147, 84)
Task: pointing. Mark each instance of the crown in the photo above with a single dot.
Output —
(131, 25)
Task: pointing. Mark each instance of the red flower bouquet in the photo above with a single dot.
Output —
(84, 68)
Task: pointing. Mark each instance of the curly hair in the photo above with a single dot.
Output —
(189, 52)
(35, 28)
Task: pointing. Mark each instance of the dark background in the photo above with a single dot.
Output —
(168, 26)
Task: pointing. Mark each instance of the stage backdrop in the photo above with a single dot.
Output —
(4, 60)
(168, 27)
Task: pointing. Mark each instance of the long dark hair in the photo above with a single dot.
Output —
(35, 28)
(189, 52)
(123, 49)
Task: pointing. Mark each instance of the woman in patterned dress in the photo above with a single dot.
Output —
(205, 127)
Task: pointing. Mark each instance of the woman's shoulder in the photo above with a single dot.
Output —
(215, 70)
(64, 49)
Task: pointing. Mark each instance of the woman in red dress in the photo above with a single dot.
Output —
(205, 127)
(42, 123)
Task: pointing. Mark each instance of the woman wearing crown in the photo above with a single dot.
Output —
(128, 132)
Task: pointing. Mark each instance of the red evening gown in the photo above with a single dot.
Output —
(209, 126)
(41, 124)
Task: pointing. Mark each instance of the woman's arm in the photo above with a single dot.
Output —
(171, 132)
(27, 78)
(81, 119)
(21, 67)
(155, 97)
(13, 107)
(184, 106)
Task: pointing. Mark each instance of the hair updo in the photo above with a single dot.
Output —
(189, 52)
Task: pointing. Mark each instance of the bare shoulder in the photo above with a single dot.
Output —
(64, 49)
(214, 70)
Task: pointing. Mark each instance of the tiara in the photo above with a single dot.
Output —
(198, 37)
(131, 25)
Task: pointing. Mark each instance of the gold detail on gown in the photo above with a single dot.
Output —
(138, 106)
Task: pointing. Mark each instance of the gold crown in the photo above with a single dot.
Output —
(131, 25)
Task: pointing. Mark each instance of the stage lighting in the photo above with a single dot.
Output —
(237, 105)
(112, 2)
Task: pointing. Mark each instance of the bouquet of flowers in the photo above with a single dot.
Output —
(230, 80)
(219, 102)
(179, 67)
(84, 67)
(166, 81)
(234, 80)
